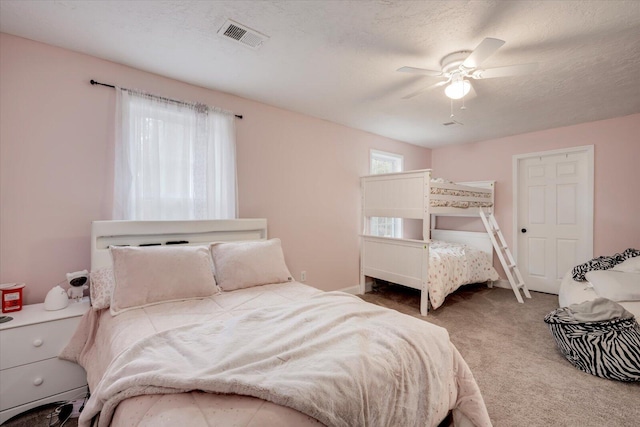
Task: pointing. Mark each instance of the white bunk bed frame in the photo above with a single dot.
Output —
(408, 195)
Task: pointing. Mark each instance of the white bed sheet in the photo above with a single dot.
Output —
(573, 292)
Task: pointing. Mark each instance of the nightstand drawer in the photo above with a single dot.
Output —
(39, 341)
(37, 380)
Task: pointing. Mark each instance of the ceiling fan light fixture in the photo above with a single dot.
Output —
(458, 89)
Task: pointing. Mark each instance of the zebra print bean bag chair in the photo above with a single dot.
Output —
(602, 263)
(605, 348)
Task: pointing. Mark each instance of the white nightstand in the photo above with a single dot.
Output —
(30, 372)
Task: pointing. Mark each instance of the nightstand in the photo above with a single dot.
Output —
(30, 372)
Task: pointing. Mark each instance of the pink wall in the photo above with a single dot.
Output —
(617, 174)
(56, 131)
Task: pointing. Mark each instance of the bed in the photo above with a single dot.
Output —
(268, 354)
(422, 263)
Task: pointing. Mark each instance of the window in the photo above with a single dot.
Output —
(174, 161)
(383, 162)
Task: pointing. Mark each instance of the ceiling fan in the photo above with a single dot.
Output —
(459, 67)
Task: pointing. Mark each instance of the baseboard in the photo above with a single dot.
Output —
(502, 283)
(355, 290)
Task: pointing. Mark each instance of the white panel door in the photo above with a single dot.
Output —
(554, 215)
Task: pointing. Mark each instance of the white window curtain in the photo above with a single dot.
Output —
(173, 161)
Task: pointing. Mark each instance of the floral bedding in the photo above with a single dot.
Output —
(460, 203)
(452, 265)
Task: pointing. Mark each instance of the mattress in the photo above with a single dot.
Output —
(573, 292)
(452, 265)
(435, 202)
(101, 338)
(459, 204)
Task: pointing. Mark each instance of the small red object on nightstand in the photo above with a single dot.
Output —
(11, 297)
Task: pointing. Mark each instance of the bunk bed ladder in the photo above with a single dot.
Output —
(505, 256)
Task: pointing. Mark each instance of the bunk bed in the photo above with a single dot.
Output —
(416, 195)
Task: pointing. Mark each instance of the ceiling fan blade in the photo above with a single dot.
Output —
(485, 49)
(424, 89)
(422, 71)
(509, 70)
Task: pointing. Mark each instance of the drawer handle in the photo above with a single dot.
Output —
(38, 381)
(37, 342)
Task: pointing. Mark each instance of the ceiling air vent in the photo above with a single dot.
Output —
(242, 34)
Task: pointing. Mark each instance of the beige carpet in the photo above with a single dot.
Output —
(525, 381)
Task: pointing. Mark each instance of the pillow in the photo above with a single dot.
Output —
(615, 285)
(241, 265)
(151, 275)
(632, 265)
(101, 286)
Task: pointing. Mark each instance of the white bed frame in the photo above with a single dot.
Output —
(408, 195)
(198, 232)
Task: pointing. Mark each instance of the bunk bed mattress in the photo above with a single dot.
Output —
(101, 339)
(458, 204)
(440, 191)
(452, 265)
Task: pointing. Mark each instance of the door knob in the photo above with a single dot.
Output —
(524, 230)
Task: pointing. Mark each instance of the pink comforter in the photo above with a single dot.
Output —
(103, 342)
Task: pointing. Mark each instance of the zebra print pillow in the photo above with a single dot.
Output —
(602, 263)
(608, 349)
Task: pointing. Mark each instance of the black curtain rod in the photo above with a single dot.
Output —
(93, 82)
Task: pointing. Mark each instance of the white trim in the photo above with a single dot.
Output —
(387, 154)
(196, 232)
(589, 150)
(397, 161)
(502, 283)
(355, 290)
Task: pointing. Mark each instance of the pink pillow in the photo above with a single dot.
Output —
(101, 287)
(241, 265)
(151, 275)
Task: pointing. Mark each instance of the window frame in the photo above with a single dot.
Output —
(385, 156)
(377, 224)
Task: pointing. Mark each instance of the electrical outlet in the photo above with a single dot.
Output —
(303, 276)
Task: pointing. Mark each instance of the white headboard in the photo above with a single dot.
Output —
(136, 233)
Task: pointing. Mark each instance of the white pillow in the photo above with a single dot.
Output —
(631, 265)
(615, 285)
(151, 275)
(241, 265)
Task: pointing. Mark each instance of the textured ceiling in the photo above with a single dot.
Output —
(337, 60)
